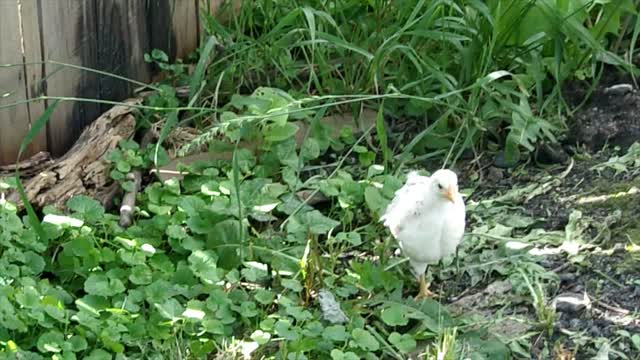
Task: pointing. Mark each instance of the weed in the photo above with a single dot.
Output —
(231, 260)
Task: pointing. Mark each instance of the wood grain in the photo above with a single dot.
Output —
(184, 24)
(123, 39)
(82, 170)
(14, 121)
(223, 10)
(33, 69)
(110, 36)
(69, 36)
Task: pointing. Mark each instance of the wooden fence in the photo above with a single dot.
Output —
(106, 35)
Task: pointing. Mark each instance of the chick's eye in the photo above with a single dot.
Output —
(440, 186)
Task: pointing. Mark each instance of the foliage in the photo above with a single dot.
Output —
(629, 162)
(128, 156)
(477, 72)
(177, 282)
(231, 260)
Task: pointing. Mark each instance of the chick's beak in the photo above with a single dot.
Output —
(451, 193)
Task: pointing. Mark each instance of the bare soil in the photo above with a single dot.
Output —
(606, 276)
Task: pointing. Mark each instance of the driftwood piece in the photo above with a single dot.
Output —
(82, 170)
(29, 167)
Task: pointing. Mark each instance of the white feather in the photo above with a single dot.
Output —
(427, 226)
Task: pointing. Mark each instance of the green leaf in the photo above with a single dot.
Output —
(141, 275)
(170, 309)
(176, 232)
(51, 341)
(101, 285)
(340, 355)
(92, 304)
(635, 339)
(33, 262)
(8, 316)
(123, 166)
(298, 313)
(364, 340)
(202, 347)
(374, 199)
(366, 158)
(274, 132)
(351, 237)
(260, 337)
(248, 309)
(318, 223)
(90, 209)
(335, 333)
(203, 263)
(292, 284)
(310, 149)
(159, 55)
(286, 330)
(286, 153)
(405, 343)
(99, 354)
(225, 239)
(338, 42)
(264, 297)
(78, 343)
(395, 315)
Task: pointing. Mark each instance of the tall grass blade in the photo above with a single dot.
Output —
(632, 44)
(198, 72)
(31, 134)
(172, 120)
(236, 185)
(381, 132)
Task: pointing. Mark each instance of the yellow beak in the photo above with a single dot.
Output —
(450, 194)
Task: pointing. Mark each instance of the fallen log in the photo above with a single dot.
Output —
(29, 167)
(82, 170)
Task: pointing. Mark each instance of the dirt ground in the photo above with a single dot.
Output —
(608, 274)
(597, 299)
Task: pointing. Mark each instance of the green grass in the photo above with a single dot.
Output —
(230, 259)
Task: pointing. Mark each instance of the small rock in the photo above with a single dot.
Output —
(494, 174)
(619, 89)
(574, 323)
(467, 154)
(571, 302)
(330, 307)
(567, 277)
(550, 153)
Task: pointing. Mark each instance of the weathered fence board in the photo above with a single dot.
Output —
(110, 36)
(14, 121)
(69, 36)
(33, 69)
(123, 39)
(184, 24)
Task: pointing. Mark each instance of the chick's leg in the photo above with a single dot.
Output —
(424, 288)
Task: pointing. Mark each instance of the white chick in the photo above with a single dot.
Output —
(427, 217)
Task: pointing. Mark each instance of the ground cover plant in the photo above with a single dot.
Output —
(276, 252)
